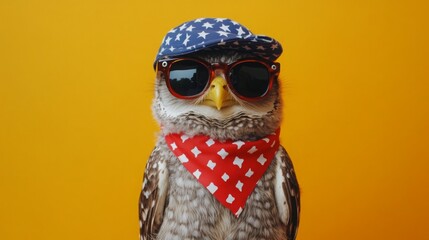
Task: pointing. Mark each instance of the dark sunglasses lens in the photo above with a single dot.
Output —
(250, 79)
(188, 78)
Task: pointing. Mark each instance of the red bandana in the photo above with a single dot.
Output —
(229, 170)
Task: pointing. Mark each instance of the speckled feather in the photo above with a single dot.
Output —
(173, 205)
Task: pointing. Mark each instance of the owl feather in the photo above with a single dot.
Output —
(173, 205)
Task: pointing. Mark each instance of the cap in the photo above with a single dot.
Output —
(216, 33)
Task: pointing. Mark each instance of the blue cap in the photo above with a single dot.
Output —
(216, 33)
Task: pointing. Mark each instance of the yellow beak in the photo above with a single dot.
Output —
(218, 95)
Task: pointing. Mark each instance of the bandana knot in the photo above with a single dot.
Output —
(229, 170)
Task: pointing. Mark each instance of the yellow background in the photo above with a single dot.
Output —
(76, 84)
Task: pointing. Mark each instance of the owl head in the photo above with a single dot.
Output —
(214, 77)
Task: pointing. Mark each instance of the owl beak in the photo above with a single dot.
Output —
(218, 95)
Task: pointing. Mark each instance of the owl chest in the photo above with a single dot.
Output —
(193, 213)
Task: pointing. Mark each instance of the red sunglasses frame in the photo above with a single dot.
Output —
(164, 66)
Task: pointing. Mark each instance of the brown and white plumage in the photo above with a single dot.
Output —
(175, 206)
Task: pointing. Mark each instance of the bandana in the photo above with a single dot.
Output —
(229, 170)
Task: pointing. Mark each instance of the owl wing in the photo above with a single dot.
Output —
(153, 195)
(287, 193)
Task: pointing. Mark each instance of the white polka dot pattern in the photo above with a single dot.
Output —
(229, 169)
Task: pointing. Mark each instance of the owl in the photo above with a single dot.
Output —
(218, 171)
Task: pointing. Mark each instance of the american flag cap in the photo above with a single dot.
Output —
(216, 33)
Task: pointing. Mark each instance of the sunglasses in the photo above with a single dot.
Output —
(249, 79)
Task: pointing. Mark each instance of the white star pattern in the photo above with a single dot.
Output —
(222, 153)
(167, 41)
(261, 159)
(182, 27)
(197, 173)
(184, 138)
(190, 28)
(207, 25)
(239, 144)
(183, 158)
(239, 212)
(249, 173)
(173, 146)
(210, 142)
(223, 33)
(212, 188)
(220, 19)
(221, 43)
(248, 36)
(230, 199)
(186, 39)
(161, 51)
(171, 49)
(225, 28)
(252, 150)
(274, 46)
(196, 151)
(211, 164)
(239, 186)
(225, 177)
(178, 37)
(240, 31)
(238, 161)
(203, 34)
(190, 47)
(199, 20)
(234, 23)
